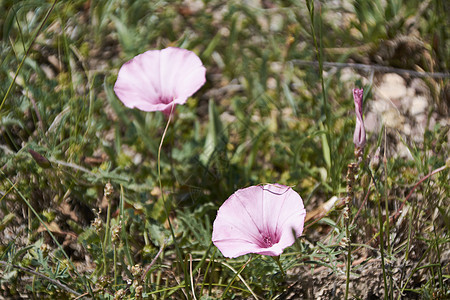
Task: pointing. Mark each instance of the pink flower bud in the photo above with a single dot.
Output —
(359, 137)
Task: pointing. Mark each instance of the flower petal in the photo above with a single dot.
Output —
(236, 218)
(291, 227)
(157, 79)
(234, 247)
(137, 86)
(359, 136)
(182, 74)
(284, 213)
(259, 219)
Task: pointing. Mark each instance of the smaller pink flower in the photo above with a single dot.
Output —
(259, 219)
(158, 79)
(359, 137)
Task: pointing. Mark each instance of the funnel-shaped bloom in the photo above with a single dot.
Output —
(259, 219)
(359, 137)
(157, 79)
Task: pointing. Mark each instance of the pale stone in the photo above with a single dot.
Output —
(271, 83)
(403, 151)
(393, 86)
(391, 118)
(49, 73)
(276, 22)
(380, 106)
(407, 129)
(348, 74)
(410, 92)
(418, 105)
(195, 5)
(371, 122)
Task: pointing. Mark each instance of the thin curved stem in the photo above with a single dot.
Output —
(277, 260)
(236, 275)
(178, 250)
(159, 173)
(147, 269)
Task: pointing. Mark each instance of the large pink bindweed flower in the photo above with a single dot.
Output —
(259, 219)
(158, 79)
(359, 137)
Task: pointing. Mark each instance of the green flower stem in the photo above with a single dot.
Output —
(349, 256)
(115, 265)
(277, 260)
(106, 238)
(386, 204)
(327, 141)
(124, 234)
(166, 210)
(380, 220)
(208, 266)
(236, 276)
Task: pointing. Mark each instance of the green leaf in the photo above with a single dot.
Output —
(325, 147)
(215, 138)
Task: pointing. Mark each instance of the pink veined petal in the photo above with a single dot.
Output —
(157, 79)
(191, 83)
(359, 136)
(182, 74)
(235, 219)
(233, 247)
(273, 200)
(275, 250)
(259, 219)
(281, 202)
(292, 228)
(250, 199)
(138, 86)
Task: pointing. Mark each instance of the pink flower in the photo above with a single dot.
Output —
(157, 79)
(359, 137)
(259, 219)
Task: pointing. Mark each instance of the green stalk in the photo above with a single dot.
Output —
(349, 256)
(350, 178)
(207, 268)
(235, 276)
(30, 227)
(327, 143)
(106, 238)
(115, 265)
(124, 233)
(380, 220)
(417, 267)
(381, 233)
(388, 240)
(277, 260)
(439, 266)
(177, 249)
